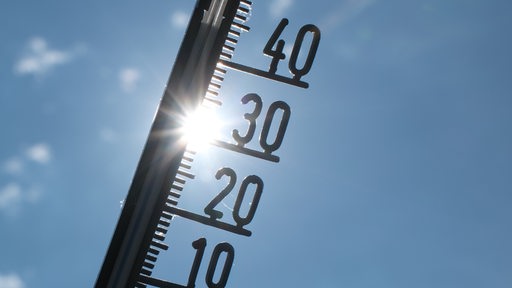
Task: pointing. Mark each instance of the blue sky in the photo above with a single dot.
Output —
(395, 169)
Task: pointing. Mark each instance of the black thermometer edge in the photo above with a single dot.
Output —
(165, 148)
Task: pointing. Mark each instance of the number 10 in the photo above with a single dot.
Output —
(200, 245)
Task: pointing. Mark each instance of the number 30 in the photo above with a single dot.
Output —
(269, 118)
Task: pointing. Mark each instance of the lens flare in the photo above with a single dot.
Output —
(201, 127)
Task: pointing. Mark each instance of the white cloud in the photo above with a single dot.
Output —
(21, 190)
(11, 281)
(279, 7)
(13, 196)
(129, 77)
(13, 166)
(39, 153)
(179, 19)
(39, 58)
(10, 196)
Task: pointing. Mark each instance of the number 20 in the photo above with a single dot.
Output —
(252, 179)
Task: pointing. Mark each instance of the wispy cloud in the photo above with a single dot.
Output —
(128, 78)
(13, 166)
(108, 135)
(10, 196)
(32, 195)
(179, 19)
(39, 58)
(279, 7)
(11, 280)
(39, 153)
(13, 195)
(19, 188)
(345, 11)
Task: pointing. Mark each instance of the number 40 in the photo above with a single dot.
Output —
(278, 55)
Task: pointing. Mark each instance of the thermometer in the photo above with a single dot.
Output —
(165, 168)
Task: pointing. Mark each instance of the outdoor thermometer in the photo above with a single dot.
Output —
(163, 194)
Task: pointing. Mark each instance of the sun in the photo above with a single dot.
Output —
(201, 127)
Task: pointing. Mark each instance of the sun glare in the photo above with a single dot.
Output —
(201, 128)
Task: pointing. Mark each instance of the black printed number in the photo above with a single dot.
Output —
(311, 52)
(278, 105)
(200, 246)
(251, 180)
(251, 117)
(254, 180)
(230, 173)
(278, 55)
(269, 118)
